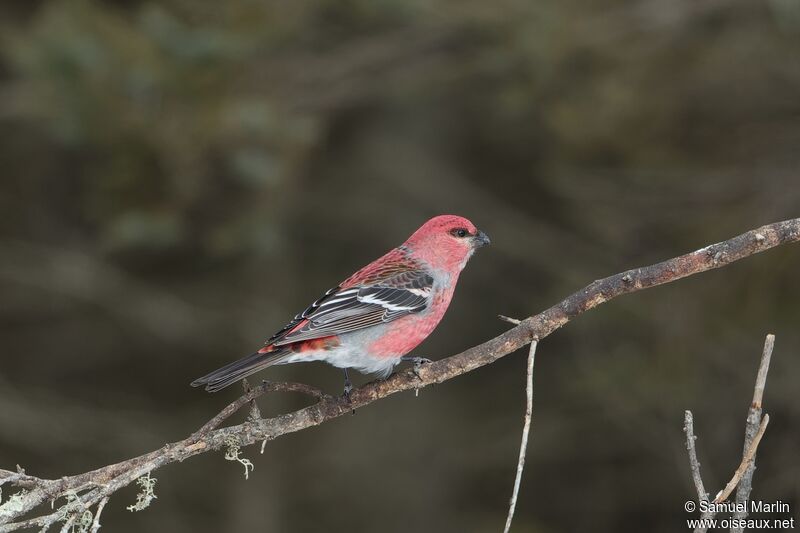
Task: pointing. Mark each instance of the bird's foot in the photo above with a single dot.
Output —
(348, 388)
(417, 362)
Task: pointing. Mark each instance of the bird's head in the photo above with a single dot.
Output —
(447, 242)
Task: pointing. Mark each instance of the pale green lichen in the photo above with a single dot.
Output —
(13, 505)
(74, 511)
(232, 454)
(146, 495)
(82, 524)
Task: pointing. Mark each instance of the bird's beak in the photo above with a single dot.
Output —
(480, 239)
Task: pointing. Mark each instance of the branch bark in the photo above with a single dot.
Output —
(93, 487)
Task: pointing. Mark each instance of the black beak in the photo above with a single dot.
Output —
(481, 239)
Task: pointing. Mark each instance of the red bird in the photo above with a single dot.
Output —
(376, 316)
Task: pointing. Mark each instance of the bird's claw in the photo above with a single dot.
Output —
(417, 362)
(348, 388)
(348, 385)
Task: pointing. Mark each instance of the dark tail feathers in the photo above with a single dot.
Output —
(229, 374)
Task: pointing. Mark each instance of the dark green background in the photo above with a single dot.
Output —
(180, 177)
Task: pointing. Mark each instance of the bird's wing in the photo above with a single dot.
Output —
(390, 291)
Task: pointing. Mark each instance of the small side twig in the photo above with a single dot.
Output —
(523, 446)
(266, 386)
(19, 478)
(508, 319)
(744, 466)
(96, 522)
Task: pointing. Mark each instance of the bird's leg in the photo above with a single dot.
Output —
(417, 362)
(348, 386)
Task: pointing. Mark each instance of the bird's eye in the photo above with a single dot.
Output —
(459, 232)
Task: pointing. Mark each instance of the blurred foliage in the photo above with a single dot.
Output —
(179, 177)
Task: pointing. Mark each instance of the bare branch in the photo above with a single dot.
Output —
(526, 427)
(694, 464)
(754, 425)
(103, 482)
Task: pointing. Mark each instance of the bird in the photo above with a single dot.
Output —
(374, 318)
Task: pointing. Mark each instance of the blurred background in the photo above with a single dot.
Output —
(180, 177)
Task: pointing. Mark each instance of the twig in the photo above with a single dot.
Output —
(763, 369)
(111, 478)
(266, 386)
(753, 426)
(96, 521)
(523, 446)
(508, 319)
(68, 524)
(694, 464)
(18, 479)
(747, 462)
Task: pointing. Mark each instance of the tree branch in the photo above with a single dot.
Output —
(93, 487)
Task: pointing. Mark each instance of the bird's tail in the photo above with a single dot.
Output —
(229, 374)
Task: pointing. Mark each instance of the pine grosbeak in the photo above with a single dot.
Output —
(376, 316)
